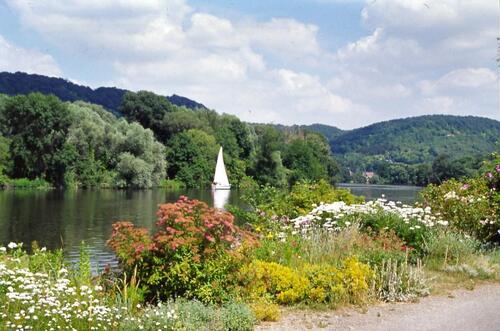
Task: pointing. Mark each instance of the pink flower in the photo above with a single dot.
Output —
(464, 187)
(497, 168)
(489, 175)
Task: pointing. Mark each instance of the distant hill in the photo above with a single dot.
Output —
(394, 149)
(420, 139)
(108, 97)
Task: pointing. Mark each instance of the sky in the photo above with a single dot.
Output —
(337, 62)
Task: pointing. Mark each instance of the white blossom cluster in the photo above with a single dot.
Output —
(334, 216)
(36, 301)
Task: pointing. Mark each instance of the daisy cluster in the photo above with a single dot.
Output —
(39, 301)
(337, 215)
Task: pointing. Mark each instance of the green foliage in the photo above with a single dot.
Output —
(470, 206)
(133, 171)
(192, 155)
(272, 204)
(450, 248)
(25, 183)
(192, 254)
(111, 152)
(401, 151)
(172, 184)
(37, 127)
(269, 167)
(148, 109)
(192, 315)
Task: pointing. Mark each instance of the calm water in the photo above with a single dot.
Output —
(405, 194)
(64, 219)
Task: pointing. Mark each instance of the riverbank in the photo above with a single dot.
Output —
(461, 309)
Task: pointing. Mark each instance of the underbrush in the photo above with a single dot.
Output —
(24, 183)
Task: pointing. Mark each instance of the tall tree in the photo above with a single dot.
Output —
(37, 126)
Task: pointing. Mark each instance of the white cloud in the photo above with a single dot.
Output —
(418, 57)
(15, 58)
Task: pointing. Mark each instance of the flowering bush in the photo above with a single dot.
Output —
(44, 296)
(411, 224)
(193, 252)
(272, 207)
(472, 205)
(315, 283)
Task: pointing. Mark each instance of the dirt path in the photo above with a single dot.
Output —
(463, 310)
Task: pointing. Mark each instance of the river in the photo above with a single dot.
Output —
(66, 218)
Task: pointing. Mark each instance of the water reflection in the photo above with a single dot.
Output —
(220, 198)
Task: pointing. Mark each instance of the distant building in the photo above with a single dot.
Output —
(368, 175)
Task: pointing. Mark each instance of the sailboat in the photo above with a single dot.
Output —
(220, 178)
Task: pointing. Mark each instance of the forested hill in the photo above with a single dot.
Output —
(416, 150)
(421, 139)
(108, 97)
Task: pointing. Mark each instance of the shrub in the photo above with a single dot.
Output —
(25, 183)
(472, 206)
(313, 283)
(272, 207)
(193, 253)
(269, 279)
(237, 317)
(265, 310)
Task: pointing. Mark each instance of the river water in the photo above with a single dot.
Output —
(66, 218)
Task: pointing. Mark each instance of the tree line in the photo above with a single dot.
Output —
(150, 140)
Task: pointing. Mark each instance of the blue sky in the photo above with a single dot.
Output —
(338, 62)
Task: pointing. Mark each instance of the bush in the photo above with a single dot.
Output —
(265, 310)
(25, 183)
(313, 283)
(471, 206)
(193, 253)
(271, 208)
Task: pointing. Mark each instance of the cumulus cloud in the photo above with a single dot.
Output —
(15, 58)
(417, 57)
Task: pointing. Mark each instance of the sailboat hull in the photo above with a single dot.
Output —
(221, 187)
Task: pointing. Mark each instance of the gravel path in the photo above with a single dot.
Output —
(462, 310)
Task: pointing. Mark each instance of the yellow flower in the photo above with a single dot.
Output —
(270, 235)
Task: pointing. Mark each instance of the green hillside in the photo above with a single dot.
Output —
(108, 97)
(398, 150)
(421, 139)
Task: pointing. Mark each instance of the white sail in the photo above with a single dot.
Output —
(220, 178)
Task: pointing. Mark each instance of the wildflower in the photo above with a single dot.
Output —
(12, 245)
(43, 249)
(497, 168)
(3, 249)
(464, 187)
(489, 175)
